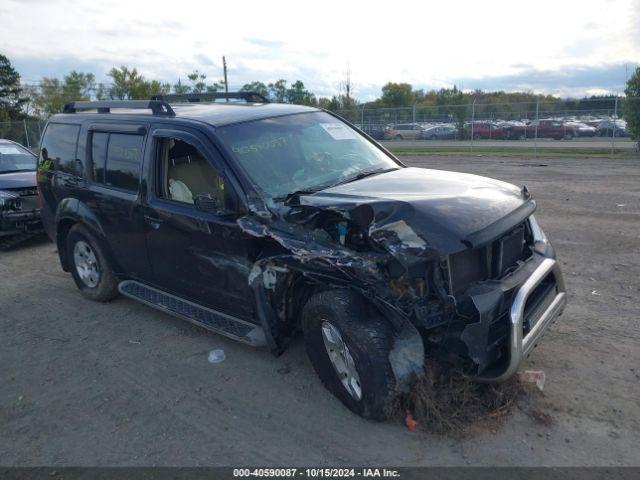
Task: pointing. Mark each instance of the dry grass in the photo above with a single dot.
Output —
(444, 401)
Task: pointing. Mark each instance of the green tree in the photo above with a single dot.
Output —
(631, 105)
(128, 84)
(53, 93)
(278, 91)
(257, 87)
(198, 84)
(180, 88)
(12, 98)
(299, 95)
(397, 95)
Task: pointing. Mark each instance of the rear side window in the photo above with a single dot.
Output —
(116, 159)
(99, 155)
(58, 151)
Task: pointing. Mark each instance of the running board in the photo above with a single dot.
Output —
(213, 320)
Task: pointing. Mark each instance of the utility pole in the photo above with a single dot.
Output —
(224, 67)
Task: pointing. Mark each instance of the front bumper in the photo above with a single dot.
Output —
(519, 344)
(15, 222)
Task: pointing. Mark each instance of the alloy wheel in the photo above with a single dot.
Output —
(341, 359)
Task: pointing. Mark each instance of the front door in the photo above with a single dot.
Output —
(198, 253)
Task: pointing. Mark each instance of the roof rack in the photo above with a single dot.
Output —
(157, 106)
(249, 97)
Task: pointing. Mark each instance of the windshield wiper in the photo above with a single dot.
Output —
(308, 191)
(366, 173)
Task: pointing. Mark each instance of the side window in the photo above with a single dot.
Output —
(184, 174)
(116, 159)
(58, 150)
(98, 155)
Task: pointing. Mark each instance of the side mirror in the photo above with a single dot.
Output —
(207, 203)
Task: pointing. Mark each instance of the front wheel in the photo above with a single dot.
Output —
(349, 349)
(89, 267)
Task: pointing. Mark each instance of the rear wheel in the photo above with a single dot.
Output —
(89, 267)
(349, 349)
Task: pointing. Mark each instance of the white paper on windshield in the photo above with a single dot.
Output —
(338, 131)
(9, 150)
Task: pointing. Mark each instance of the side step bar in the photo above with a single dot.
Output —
(213, 320)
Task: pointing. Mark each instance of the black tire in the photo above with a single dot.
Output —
(107, 286)
(398, 137)
(568, 136)
(369, 339)
(433, 137)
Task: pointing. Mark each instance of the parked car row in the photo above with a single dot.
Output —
(559, 129)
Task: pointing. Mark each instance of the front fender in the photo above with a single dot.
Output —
(272, 280)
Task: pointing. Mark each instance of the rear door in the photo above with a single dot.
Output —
(200, 255)
(114, 155)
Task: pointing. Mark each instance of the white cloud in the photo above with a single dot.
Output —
(431, 44)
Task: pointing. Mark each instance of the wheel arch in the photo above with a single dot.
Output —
(283, 288)
(73, 212)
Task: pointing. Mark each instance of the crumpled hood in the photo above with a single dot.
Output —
(12, 180)
(449, 211)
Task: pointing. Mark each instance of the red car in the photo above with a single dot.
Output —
(488, 130)
(551, 129)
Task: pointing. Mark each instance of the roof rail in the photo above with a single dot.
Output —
(249, 97)
(157, 106)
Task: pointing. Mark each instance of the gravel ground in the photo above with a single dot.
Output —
(121, 384)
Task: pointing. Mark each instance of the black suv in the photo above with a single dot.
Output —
(259, 220)
(19, 207)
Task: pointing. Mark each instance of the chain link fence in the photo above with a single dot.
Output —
(587, 126)
(25, 132)
(581, 127)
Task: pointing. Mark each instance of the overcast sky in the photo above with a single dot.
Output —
(565, 47)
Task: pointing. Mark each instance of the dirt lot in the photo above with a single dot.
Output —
(121, 384)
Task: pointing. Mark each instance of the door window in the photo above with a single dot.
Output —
(116, 159)
(185, 174)
(124, 155)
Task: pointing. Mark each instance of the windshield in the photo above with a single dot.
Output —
(302, 152)
(14, 158)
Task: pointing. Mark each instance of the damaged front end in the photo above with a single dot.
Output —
(19, 216)
(466, 275)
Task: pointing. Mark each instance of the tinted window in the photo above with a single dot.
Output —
(98, 155)
(124, 154)
(58, 150)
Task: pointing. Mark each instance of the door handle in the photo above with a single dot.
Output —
(153, 221)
